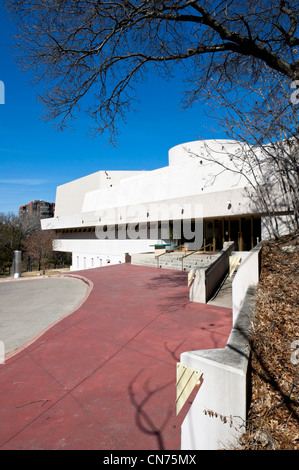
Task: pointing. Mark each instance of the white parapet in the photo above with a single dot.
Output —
(217, 416)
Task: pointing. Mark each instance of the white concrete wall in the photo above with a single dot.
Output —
(218, 412)
(207, 280)
(183, 190)
(284, 226)
(247, 275)
(224, 203)
(113, 247)
(178, 182)
(204, 149)
(188, 187)
(217, 416)
(70, 196)
(187, 180)
(87, 253)
(85, 260)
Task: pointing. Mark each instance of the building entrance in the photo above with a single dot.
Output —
(245, 231)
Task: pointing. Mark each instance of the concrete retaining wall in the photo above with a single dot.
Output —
(217, 416)
(247, 275)
(207, 280)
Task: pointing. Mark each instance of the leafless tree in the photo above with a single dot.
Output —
(25, 234)
(39, 246)
(264, 120)
(29, 224)
(10, 238)
(78, 46)
(241, 56)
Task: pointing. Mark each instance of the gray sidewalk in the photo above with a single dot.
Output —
(28, 306)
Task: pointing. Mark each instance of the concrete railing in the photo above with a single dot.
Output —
(217, 416)
(247, 275)
(206, 280)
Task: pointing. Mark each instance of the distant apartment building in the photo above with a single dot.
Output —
(43, 209)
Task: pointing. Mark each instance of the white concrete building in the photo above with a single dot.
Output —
(105, 217)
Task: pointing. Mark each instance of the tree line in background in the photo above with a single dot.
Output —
(24, 234)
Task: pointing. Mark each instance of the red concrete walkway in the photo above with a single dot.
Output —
(104, 376)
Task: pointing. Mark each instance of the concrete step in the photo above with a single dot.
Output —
(174, 261)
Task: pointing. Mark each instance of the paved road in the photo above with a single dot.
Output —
(27, 307)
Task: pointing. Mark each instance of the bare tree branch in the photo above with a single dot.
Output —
(76, 47)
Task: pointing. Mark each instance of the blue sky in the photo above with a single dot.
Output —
(35, 158)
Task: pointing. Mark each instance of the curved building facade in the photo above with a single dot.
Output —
(199, 199)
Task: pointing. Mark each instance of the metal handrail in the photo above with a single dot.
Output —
(169, 251)
(186, 254)
(197, 251)
(166, 252)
